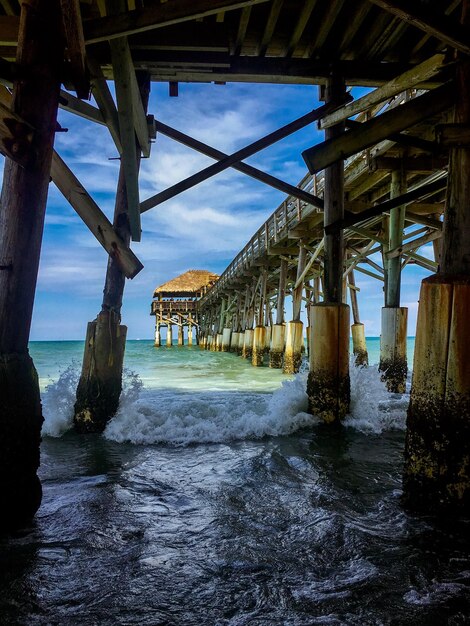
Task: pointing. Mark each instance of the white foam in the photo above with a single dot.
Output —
(373, 409)
(58, 399)
(185, 418)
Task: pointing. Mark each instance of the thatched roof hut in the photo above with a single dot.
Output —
(188, 285)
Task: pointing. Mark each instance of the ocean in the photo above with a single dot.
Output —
(214, 498)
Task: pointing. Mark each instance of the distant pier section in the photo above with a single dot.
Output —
(175, 304)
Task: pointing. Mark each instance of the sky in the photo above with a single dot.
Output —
(203, 228)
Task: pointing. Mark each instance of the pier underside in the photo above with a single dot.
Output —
(390, 177)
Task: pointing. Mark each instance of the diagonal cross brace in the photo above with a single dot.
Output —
(249, 170)
(242, 154)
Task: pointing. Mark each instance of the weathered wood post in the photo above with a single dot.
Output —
(357, 328)
(169, 334)
(226, 331)
(22, 208)
(241, 335)
(295, 328)
(267, 325)
(180, 333)
(437, 449)
(234, 339)
(158, 340)
(190, 329)
(278, 333)
(393, 364)
(259, 334)
(328, 386)
(100, 383)
(247, 351)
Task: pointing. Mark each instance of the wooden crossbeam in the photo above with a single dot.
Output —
(408, 79)
(123, 72)
(421, 163)
(410, 196)
(75, 46)
(434, 23)
(105, 101)
(379, 128)
(413, 245)
(70, 103)
(158, 16)
(241, 167)
(74, 192)
(238, 156)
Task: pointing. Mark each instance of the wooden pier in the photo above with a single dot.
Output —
(392, 163)
(175, 304)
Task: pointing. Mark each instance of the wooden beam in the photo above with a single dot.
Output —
(236, 157)
(408, 79)
(296, 192)
(434, 23)
(121, 52)
(70, 103)
(74, 192)
(297, 33)
(9, 25)
(75, 46)
(420, 163)
(270, 25)
(122, 80)
(380, 128)
(105, 101)
(8, 7)
(410, 196)
(242, 27)
(413, 245)
(157, 16)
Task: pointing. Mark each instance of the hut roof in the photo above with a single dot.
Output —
(189, 283)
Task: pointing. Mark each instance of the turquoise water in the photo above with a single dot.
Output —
(214, 499)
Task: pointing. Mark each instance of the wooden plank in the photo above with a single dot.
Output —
(75, 46)
(236, 157)
(380, 128)
(74, 192)
(157, 16)
(122, 82)
(242, 27)
(325, 26)
(420, 163)
(453, 135)
(408, 79)
(299, 28)
(270, 25)
(105, 101)
(424, 17)
(9, 25)
(268, 179)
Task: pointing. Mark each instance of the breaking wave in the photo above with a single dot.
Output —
(177, 417)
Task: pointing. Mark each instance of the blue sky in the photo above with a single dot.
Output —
(203, 228)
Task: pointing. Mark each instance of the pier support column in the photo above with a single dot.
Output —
(437, 447)
(100, 382)
(241, 342)
(328, 386)
(218, 342)
(259, 344)
(190, 335)
(293, 351)
(437, 450)
(328, 381)
(278, 340)
(169, 335)
(357, 329)
(107, 350)
(180, 336)
(22, 208)
(234, 339)
(209, 342)
(393, 362)
(267, 340)
(158, 340)
(226, 337)
(247, 351)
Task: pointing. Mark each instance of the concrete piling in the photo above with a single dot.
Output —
(259, 344)
(293, 351)
(278, 339)
(393, 363)
(226, 338)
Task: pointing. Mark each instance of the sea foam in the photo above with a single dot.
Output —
(183, 417)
